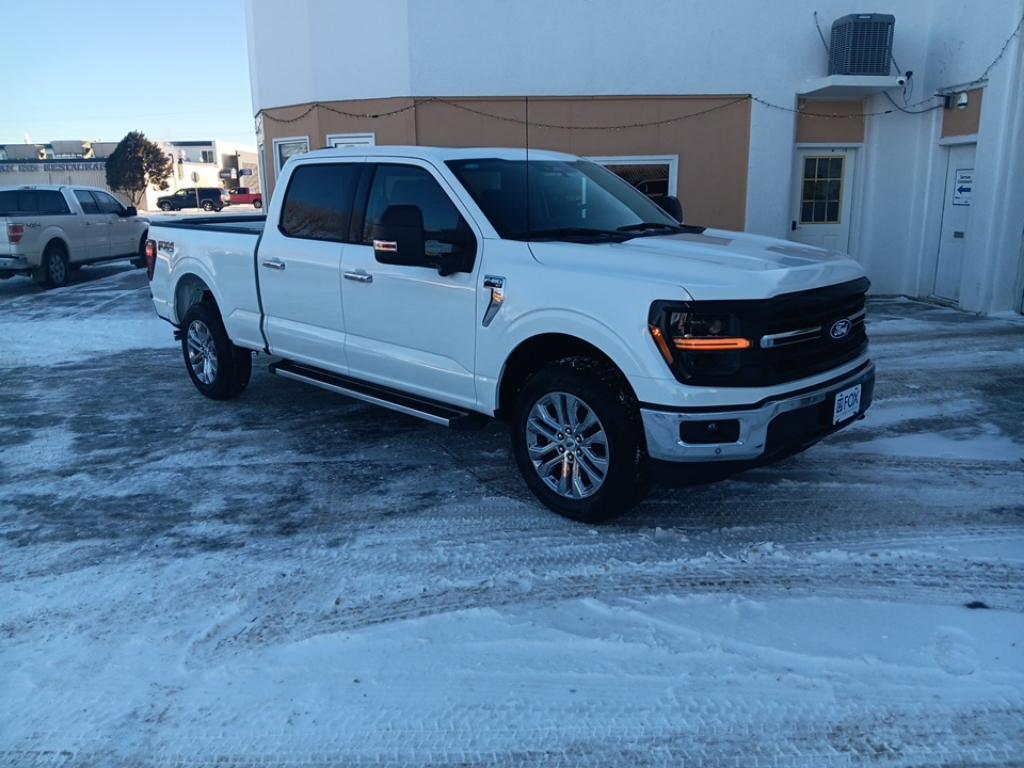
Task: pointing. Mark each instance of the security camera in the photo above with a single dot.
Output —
(961, 100)
(901, 80)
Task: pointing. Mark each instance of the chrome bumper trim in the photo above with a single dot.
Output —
(663, 433)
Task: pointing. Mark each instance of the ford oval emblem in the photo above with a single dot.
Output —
(840, 329)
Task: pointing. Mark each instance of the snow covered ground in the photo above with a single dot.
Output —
(298, 579)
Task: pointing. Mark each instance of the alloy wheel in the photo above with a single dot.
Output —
(567, 445)
(202, 352)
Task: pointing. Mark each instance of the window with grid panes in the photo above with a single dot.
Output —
(821, 196)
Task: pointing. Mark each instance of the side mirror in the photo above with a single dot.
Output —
(671, 205)
(131, 210)
(398, 237)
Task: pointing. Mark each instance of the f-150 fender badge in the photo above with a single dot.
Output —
(497, 286)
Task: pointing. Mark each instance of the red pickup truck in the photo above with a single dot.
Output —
(245, 196)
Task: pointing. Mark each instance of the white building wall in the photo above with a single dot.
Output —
(321, 50)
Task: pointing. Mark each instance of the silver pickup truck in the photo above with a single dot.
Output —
(48, 230)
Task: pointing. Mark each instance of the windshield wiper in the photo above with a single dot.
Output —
(650, 226)
(556, 233)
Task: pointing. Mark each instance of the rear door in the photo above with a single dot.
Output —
(94, 240)
(408, 326)
(299, 264)
(121, 228)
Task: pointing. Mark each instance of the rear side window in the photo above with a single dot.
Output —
(38, 202)
(412, 185)
(87, 201)
(318, 204)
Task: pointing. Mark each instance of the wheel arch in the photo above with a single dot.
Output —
(57, 238)
(538, 351)
(191, 288)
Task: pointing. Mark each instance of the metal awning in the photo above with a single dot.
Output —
(846, 87)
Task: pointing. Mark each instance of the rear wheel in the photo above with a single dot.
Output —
(53, 271)
(218, 368)
(207, 206)
(257, 203)
(578, 440)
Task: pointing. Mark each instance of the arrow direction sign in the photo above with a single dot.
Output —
(962, 186)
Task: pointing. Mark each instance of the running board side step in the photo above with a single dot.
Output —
(428, 410)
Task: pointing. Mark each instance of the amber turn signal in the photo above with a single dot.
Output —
(659, 339)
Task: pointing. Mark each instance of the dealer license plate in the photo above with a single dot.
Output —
(847, 404)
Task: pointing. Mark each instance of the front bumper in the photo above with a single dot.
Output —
(775, 427)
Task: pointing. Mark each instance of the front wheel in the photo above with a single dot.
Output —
(257, 203)
(218, 368)
(165, 207)
(578, 440)
(207, 206)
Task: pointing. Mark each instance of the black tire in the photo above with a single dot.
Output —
(165, 207)
(257, 203)
(54, 270)
(207, 206)
(233, 365)
(218, 208)
(603, 390)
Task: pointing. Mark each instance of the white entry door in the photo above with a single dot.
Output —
(956, 220)
(823, 197)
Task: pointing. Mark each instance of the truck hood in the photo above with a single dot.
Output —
(714, 265)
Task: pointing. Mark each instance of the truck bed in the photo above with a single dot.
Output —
(243, 224)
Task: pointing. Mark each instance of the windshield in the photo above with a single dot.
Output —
(568, 199)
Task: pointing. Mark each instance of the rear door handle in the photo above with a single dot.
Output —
(359, 276)
(274, 264)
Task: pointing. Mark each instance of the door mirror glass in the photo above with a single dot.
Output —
(398, 236)
(131, 210)
(670, 205)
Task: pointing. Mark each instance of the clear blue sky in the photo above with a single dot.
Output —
(174, 69)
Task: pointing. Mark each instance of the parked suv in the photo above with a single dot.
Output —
(48, 230)
(610, 336)
(207, 198)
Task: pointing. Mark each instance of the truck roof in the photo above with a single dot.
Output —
(49, 187)
(440, 154)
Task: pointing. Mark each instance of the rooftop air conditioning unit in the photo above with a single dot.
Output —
(861, 44)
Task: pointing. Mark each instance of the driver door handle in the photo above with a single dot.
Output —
(360, 276)
(274, 264)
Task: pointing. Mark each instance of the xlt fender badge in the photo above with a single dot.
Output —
(497, 286)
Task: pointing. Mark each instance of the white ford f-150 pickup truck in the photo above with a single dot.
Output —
(459, 285)
(48, 230)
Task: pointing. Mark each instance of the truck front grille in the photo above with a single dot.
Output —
(791, 335)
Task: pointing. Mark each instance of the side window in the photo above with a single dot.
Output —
(318, 203)
(107, 203)
(443, 225)
(87, 201)
(52, 202)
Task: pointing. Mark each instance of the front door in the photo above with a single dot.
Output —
(299, 265)
(120, 228)
(408, 326)
(956, 219)
(824, 194)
